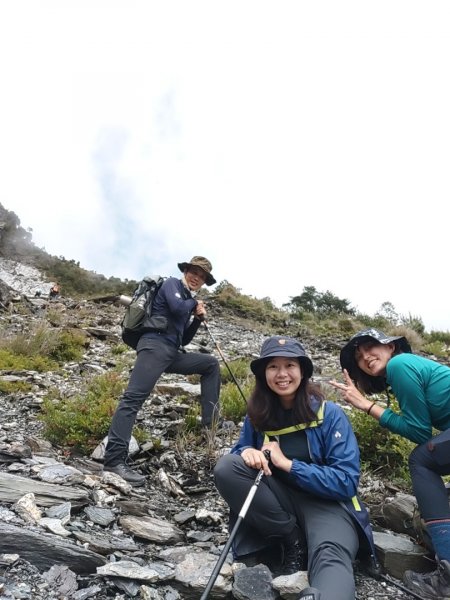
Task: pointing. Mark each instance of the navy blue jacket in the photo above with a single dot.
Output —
(335, 467)
(174, 301)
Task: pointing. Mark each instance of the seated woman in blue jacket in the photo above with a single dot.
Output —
(309, 490)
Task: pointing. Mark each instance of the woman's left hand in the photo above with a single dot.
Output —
(277, 458)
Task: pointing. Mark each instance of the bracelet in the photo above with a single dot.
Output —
(370, 407)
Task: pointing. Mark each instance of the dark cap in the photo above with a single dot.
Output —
(347, 356)
(286, 347)
(201, 262)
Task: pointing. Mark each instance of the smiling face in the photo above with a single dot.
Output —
(372, 357)
(195, 278)
(283, 376)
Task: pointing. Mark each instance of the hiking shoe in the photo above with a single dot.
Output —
(126, 473)
(309, 594)
(295, 558)
(435, 585)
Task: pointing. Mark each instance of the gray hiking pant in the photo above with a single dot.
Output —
(154, 357)
(331, 533)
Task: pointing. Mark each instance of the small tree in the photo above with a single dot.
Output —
(320, 302)
(387, 311)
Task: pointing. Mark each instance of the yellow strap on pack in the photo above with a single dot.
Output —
(316, 423)
(298, 427)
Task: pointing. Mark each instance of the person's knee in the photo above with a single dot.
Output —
(132, 400)
(224, 467)
(415, 459)
(211, 365)
(225, 472)
(330, 553)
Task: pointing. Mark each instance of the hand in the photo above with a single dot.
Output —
(277, 458)
(256, 460)
(200, 310)
(350, 392)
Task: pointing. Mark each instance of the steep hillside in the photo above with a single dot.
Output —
(68, 530)
(16, 244)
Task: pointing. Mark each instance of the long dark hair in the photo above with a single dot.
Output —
(265, 411)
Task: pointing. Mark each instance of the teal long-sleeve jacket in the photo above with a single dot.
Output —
(422, 389)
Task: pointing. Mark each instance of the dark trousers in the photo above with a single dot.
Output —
(154, 357)
(427, 464)
(330, 531)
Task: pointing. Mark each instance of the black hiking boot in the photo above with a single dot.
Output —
(124, 471)
(435, 585)
(295, 555)
(309, 594)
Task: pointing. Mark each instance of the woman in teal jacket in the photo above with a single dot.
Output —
(376, 362)
(309, 493)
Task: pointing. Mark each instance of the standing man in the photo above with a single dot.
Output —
(161, 352)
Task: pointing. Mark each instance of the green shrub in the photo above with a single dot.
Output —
(437, 348)
(141, 435)
(9, 361)
(83, 420)
(40, 341)
(69, 346)
(12, 387)
(55, 317)
(413, 337)
(414, 322)
(42, 348)
(382, 452)
(442, 336)
(232, 405)
(192, 418)
(240, 369)
(261, 310)
(119, 349)
(345, 325)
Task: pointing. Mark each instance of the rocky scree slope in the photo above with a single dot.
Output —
(69, 531)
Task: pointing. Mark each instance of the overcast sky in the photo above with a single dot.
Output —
(293, 143)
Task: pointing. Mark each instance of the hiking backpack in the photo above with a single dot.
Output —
(138, 317)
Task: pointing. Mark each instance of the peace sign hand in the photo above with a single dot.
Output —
(349, 392)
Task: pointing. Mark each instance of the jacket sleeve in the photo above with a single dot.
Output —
(248, 438)
(408, 385)
(334, 474)
(177, 303)
(190, 331)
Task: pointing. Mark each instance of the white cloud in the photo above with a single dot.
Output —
(293, 144)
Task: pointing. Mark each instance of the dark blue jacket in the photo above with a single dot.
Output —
(335, 467)
(174, 301)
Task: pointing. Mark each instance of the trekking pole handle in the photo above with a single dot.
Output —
(253, 489)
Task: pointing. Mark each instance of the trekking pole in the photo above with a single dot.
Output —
(401, 587)
(377, 575)
(223, 358)
(240, 518)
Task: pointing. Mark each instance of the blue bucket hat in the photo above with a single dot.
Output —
(286, 347)
(347, 356)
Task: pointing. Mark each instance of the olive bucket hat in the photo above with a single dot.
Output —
(201, 262)
(347, 356)
(278, 345)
